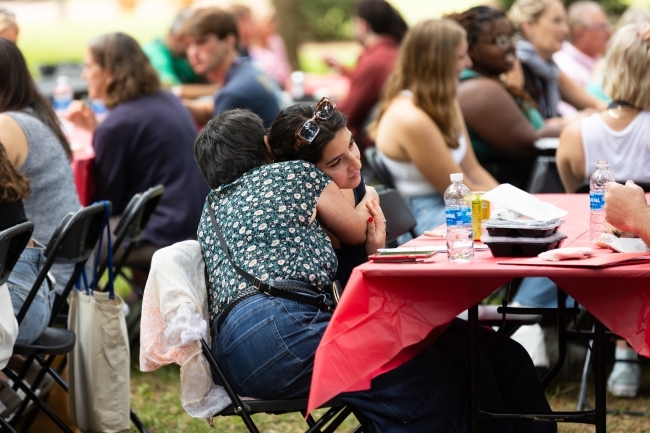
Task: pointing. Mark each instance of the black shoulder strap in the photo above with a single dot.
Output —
(319, 301)
(254, 281)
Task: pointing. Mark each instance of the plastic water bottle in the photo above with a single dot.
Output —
(99, 109)
(597, 199)
(63, 95)
(298, 85)
(458, 206)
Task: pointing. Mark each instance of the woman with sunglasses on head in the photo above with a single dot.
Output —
(334, 151)
(503, 121)
(419, 130)
(267, 344)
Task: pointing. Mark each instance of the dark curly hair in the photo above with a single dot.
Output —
(282, 136)
(478, 21)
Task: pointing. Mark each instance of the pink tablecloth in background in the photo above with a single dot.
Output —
(82, 170)
(387, 309)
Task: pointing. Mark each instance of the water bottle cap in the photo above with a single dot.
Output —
(62, 79)
(602, 164)
(456, 177)
(298, 77)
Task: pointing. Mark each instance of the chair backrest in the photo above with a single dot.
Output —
(584, 188)
(72, 242)
(12, 243)
(137, 214)
(399, 219)
(378, 167)
(131, 225)
(544, 177)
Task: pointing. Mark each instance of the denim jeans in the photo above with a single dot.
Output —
(539, 292)
(429, 212)
(20, 283)
(266, 349)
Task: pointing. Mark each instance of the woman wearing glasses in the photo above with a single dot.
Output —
(419, 130)
(503, 121)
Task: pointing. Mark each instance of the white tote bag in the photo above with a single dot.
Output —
(99, 363)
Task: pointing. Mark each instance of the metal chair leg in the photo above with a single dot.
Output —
(33, 397)
(136, 422)
(582, 397)
(601, 391)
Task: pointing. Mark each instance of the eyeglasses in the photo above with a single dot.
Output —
(504, 42)
(310, 129)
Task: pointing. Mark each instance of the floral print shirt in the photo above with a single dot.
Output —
(265, 217)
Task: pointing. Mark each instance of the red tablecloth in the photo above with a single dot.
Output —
(387, 309)
(82, 170)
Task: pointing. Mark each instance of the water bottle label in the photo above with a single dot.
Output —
(61, 104)
(459, 215)
(597, 200)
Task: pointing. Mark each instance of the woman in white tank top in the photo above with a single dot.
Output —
(419, 130)
(620, 133)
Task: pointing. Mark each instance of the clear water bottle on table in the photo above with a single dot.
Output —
(458, 206)
(597, 199)
(62, 95)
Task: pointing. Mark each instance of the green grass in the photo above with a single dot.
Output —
(155, 398)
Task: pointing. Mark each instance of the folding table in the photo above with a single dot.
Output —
(387, 309)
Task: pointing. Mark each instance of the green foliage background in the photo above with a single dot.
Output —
(327, 20)
(612, 7)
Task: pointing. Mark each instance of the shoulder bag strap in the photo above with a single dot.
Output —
(319, 301)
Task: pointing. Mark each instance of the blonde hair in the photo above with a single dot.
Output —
(425, 66)
(634, 16)
(523, 11)
(626, 67)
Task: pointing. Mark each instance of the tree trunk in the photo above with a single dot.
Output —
(291, 25)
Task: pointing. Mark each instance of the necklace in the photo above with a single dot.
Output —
(615, 109)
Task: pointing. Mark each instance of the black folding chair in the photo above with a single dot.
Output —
(584, 188)
(338, 411)
(545, 177)
(128, 232)
(399, 219)
(378, 168)
(72, 242)
(12, 243)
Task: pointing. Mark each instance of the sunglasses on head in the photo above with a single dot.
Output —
(7, 13)
(310, 129)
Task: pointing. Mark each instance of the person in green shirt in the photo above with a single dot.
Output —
(503, 122)
(167, 55)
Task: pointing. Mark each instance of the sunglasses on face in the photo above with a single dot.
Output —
(310, 129)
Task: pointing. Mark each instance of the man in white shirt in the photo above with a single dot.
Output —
(589, 31)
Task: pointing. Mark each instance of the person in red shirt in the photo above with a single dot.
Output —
(380, 29)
